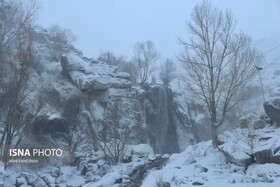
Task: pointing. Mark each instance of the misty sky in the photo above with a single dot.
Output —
(116, 25)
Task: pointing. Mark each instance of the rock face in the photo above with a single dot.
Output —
(272, 109)
(153, 107)
(124, 107)
(90, 77)
(268, 156)
(161, 119)
(101, 86)
(151, 113)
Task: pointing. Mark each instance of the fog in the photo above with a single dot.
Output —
(117, 25)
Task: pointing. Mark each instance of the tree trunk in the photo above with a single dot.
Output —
(214, 135)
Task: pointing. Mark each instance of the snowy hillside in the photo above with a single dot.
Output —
(202, 165)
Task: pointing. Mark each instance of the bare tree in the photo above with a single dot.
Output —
(167, 72)
(145, 54)
(132, 69)
(17, 57)
(113, 136)
(15, 18)
(62, 35)
(218, 62)
(108, 57)
(75, 130)
(80, 125)
(15, 116)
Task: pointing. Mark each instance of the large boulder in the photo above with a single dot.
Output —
(268, 156)
(235, 147)
(272, 109)
(89, 77)
(236, 155)
(267, 149)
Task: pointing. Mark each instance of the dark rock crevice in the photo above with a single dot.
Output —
(139, 174)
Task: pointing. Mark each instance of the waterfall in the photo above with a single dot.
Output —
(160, 119)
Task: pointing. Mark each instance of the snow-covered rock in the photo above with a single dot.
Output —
(101, 162)
(125, 179)
(244, 146)
(200, 168)
(93, 167)
(235, 153)
(236, 147)
(51, 171)
(75, 181)
(259, 124)
(166, 156)
(152, 157)
(10, 179)
(267, 149)
(21, 181)
(73, 62)
(37, 182)
(95, 82)
(272, 109)
(49, 180)
(198, 183)
(90, 77)
(140, 149)
(66, 172)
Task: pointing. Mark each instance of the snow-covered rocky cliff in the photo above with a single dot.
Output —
(78, 101)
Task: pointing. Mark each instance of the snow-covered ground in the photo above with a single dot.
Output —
(199, 164)
(203, 165)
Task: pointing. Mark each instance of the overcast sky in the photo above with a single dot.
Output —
(116, 25)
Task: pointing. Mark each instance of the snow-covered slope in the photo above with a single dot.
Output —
(203, 165)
